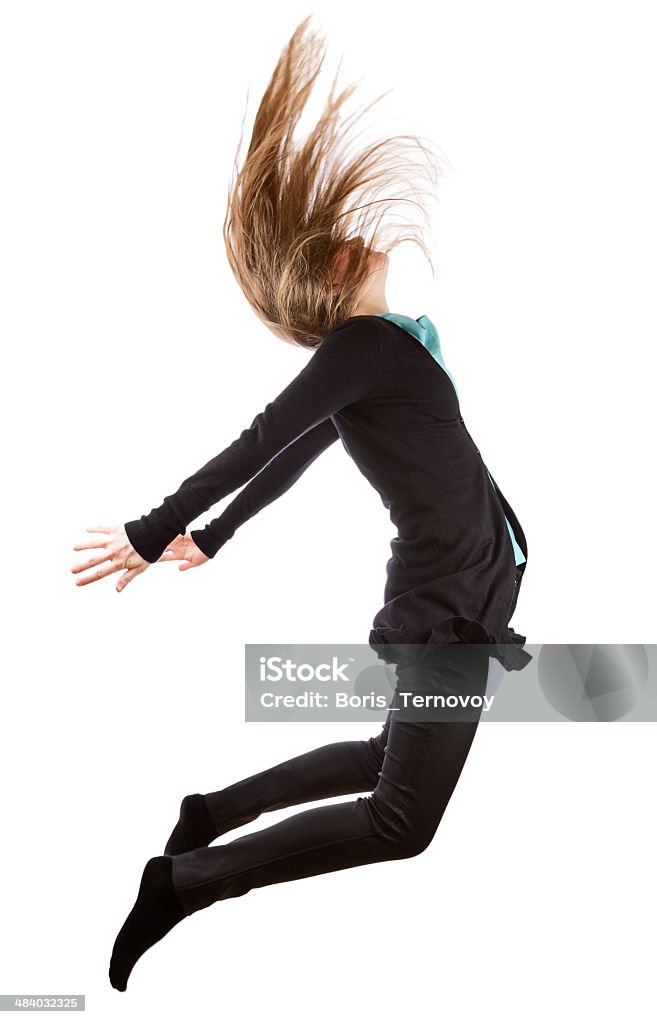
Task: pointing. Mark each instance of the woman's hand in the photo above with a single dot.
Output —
(183, 548)
(119, 553)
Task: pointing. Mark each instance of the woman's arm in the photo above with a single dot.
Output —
(269, 484)
(344, 369)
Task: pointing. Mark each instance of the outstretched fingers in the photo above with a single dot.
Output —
(119, 555)
(89, 564)
(99, 574)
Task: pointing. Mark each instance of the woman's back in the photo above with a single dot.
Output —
(452, 574)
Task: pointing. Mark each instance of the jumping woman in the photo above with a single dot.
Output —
(306, 238)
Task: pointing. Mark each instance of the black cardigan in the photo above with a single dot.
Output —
(452, 576)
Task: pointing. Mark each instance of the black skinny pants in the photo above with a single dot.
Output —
(410, 771)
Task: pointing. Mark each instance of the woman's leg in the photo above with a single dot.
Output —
(421, 765)
(335, 769)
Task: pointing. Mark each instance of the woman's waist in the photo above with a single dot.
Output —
(475, 528)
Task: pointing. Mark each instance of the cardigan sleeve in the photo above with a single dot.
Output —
(269, 484)
(344, 369)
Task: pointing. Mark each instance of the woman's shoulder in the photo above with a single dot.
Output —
(353, 347)
(360, 331)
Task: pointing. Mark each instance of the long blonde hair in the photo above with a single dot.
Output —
(291, 207)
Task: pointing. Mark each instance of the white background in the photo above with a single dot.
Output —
(130, 358)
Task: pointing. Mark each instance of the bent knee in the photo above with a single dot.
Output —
(400, 833)
(412, 844)
(405, 840)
